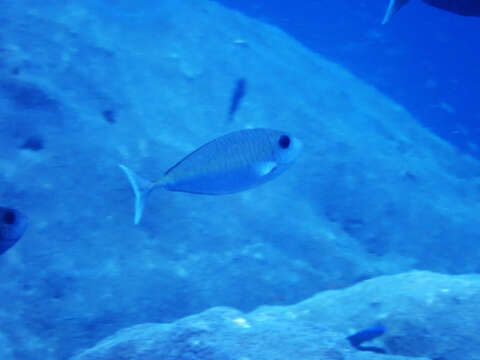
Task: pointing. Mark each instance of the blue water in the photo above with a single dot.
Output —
(426, 59)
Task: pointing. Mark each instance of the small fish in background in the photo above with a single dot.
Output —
(357, 339)
(231, 163)
(462, 7)
(109, 116)
(237, 96)
(13, 224)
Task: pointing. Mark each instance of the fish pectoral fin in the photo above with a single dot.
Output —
(393, 7)
(265, 168)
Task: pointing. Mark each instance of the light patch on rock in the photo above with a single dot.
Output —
(241, 322)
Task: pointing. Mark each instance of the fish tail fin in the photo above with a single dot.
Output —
(393, 7)
(141, 187)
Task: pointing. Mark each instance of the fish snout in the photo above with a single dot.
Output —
(291, 154)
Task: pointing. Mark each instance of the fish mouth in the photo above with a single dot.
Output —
(297, 147)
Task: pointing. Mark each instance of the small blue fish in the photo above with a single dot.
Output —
(461, 7)
(238, 94)
(231, 163)
(12, 227)
(357, 339)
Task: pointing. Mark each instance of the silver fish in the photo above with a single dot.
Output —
(462, 7)
(231, 163)
(13, 224)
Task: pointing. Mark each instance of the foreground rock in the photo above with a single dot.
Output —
(426, 315)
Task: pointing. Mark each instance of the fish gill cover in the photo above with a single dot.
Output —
(87, 86)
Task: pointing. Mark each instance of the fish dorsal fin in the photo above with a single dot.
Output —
(265, 167)
(393, 7)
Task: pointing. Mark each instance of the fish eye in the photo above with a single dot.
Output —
(284, 141)
(9, 217)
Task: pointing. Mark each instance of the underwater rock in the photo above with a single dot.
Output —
(427, 315)
(227, 334)
(5, 348)
(345, 212)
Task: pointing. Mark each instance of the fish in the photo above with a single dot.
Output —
(237, 96)
(357, 339)
(461, 7)
(13, 225)
(232, 163)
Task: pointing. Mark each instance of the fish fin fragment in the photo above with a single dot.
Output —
(393, 7)
(141, 188)
(357, 339)
(265, 168)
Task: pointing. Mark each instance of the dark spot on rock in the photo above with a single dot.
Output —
(109, 116)
(353, 226)
(57, 286)
(9, 217)
(33, 143)
(28, 96)
(376, 245)
(409, 176)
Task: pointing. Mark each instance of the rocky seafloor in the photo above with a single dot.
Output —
(426, 316)
(84, 87)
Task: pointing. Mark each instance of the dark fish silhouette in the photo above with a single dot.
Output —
(12, 226)
(237, 96)
(462, 7)
(357, 339)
